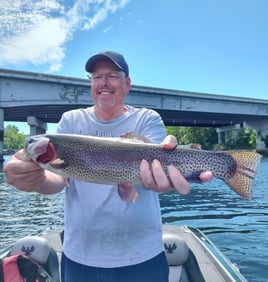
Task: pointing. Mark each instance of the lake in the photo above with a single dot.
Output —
(237, 226)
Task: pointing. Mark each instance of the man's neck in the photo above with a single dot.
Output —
(110, 114)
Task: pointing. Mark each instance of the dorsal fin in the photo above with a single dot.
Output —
(133, 137)
(190, 146)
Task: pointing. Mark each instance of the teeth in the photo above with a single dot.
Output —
(105, 92)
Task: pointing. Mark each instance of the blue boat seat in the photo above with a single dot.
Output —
(39, 250)
(177, 253)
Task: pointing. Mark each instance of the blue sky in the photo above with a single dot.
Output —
(211, 46)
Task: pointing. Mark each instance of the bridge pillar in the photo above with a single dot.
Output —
(37, 126)
(1, 134)
(225, 130)
(262, 133)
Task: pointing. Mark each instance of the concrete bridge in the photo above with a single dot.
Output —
(41, 98)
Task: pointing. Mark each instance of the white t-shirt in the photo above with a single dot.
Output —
(100, 229)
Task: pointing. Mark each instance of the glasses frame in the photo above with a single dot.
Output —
(112, 76)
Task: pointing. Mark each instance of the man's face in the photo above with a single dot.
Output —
(109, 85)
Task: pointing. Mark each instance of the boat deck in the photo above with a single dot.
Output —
(211, 265)
(214, 266)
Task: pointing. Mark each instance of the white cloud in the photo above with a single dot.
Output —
(107, 29)
(36, 31)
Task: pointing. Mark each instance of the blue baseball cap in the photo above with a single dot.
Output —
(116, 58)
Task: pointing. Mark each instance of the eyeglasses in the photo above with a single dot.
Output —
(110, 76)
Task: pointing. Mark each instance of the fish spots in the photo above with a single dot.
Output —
(110, 161)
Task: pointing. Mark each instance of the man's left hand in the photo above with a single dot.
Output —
(155, 178)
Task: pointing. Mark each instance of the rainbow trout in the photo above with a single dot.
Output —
(117, 161)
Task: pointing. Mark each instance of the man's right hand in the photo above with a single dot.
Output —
(24, 175)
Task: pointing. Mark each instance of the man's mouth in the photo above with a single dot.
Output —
(105, 92)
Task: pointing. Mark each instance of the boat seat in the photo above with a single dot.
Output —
(39, 250)
(177, 253)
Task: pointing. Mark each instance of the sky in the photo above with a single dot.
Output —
(211, 46)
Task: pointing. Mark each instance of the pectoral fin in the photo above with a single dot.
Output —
(127, 192)
(58, 164)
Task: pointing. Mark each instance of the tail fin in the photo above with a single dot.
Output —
(241, 182)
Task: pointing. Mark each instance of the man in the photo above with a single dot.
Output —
(107, 239)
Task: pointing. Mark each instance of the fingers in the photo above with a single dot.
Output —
(178, 181)
(27, 181)
(162, 183)
(156, 179)
(146, 175)
(23, 175)
(19, 155)
(169, 143)
(206, 176)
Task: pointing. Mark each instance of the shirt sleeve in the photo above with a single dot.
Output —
(153, 127)
(65, 124)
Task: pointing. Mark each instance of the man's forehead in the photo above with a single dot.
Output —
(105, 64)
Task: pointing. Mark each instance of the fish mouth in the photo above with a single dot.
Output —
(49, 155)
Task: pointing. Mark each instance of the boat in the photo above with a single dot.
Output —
(190, 254)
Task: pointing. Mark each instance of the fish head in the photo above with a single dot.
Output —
(40, 149)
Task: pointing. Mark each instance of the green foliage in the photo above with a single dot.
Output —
(204, 136)
(252, 138)
(13, 139)
(208, 137)
(246, 139)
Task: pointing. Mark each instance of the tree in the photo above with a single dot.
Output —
(246, 139)
(13, 139)
(204, 136)
(208, 138)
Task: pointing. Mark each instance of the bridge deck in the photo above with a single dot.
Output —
(46, 97)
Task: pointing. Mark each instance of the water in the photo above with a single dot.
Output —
(238, 227)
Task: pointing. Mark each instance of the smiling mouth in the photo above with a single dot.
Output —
(105, 92)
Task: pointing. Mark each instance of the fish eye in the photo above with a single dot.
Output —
(30, 141)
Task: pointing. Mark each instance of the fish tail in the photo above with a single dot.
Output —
(246, 164)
